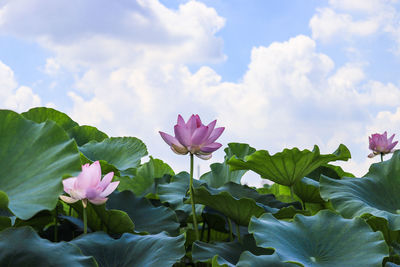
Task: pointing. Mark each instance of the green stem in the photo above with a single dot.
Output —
(84, 221)
(230, 230)
(291, 192)
(381, 157)
(192, 198)
(238, 233)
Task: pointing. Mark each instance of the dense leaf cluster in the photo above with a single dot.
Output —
(310, 213)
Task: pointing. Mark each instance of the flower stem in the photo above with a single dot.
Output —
(381, 157)
(84, 221)
(238, 233)
(292, 193)
(192, 198)
(230, 230)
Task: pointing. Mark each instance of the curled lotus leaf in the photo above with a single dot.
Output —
(377, 193)
(289, 166)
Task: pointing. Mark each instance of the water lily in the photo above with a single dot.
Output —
(88, 186)
(194, 137)
(381, 145)
(197, 139)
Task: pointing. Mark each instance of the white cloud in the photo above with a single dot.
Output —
(291, 95)
(347, 20)
(134, 80)
(110, 34)
(327, 25)
(12, 96)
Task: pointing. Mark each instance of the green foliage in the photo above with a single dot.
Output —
(23, 247)
(289, 166)
(132, 250)
(325, 239)
(377, 193)
(147, 221)
(33, 159)
(122, 152)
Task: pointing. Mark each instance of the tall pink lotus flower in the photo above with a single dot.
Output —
(88, 186)
(381, 145)
(194, 137)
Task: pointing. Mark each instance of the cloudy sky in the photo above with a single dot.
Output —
(276, 74)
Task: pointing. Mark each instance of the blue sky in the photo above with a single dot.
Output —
(276, 74)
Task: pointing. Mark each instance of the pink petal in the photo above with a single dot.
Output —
(109, 189)
(391, 139)
(169, 139)
(69, 184)
(191, 124)
(92, 193)
(215, 134)
(390, 147)
(204, 156)
(89, 177)
(199, 136)
(210, 148)
(106, 180)
(198, 121)
(98, 201)
(181, 121)
(68, 199)
(371, 155)
(183, 135)
(211, 127)
(78, 194)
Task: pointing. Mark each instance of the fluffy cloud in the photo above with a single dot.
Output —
(350, 19)
(113, 33)
(12, 96)
(132, 76)
(291, 95)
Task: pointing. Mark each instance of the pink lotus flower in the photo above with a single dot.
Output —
(194, 137)
(89, 186)
(380, 144)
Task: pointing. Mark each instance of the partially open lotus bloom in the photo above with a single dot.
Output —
(88, 186)
(194, 137)
(380, 144)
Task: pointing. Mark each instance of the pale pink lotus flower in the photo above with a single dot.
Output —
(380, 144)
(194, 137)
(88, 186)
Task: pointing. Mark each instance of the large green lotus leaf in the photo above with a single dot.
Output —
(247, 259)
(228, 252)
(377, 193)
(100, 219)
(23, 247)
(325, 239)
(220, 173)
(33, 159)
(84, 134)
(392, 238)
(307, 188)
(122, 152)
(42, 114)
(289, 166)
(239, 150)
(145, 216)
(141, 183)
(175, 192)
(132, 250)
(240, 202)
